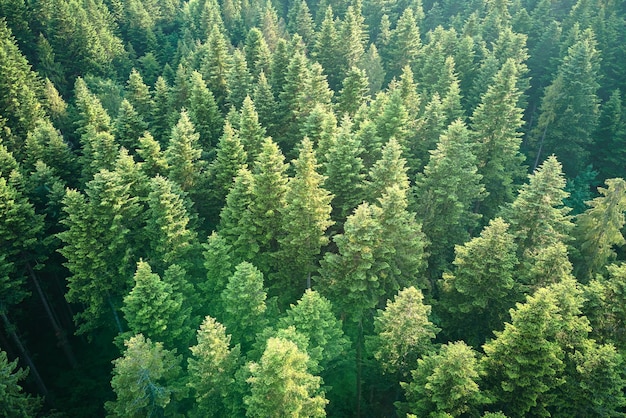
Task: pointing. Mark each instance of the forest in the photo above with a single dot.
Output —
(309, 208)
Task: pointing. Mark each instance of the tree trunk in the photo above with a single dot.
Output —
(23, 353)
(543, 137)
(118, 322)
(58, 330)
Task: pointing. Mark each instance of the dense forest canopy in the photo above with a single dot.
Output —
(348, 208)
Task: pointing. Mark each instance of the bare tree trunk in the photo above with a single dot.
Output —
(58, 330)
(23, 353)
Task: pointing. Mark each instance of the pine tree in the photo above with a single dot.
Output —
(211, 370)
(405, 44)
(154, 162)
(153, 309)
(244, 304)
(482, 285)
(257, 52)
(352, 38)
(326, 48)
(44, 143)
(216, 65)
(388, 171)
(281, 384)
(219, 266)
(305, 219)
(495, 124)
(312, 316)
(146, 380)
(446, 193)
(403, 332)
(265, 104)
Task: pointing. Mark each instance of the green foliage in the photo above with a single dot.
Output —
(403, 332)
(211, 370)
(482, 287)
(204, 113)
(183, 154)
(244, 303)
(146, 380)
(153, 308)
(445, 383)
(13, 401)
(280, 384)
(598, 229)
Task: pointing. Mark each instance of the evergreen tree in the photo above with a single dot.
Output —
(326, 48)
(44, 143)
(149, 151)
(244, 304)
(482, 287)
(537, 217)
(211, 370)
(344, 171)
(598, 229)
(218, 263)
(13, 401)
(280, 384)
(352, 38)
(611, 138)
(203, 113)
(153, 308)
(445, 383)
(146, 380)
(265, 104)
(305, 218)
(161, 117)
(403, 332)
(257, 52)
(405, 44)
(354, 93)
(251, 132)
(239, 80)
(388, 171)
(139, 95)
(216, 65)
(183, 154)
(170, 237)
(446, 193)
(495, 124)
(572, 96)
(129, 126)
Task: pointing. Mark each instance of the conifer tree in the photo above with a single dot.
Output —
(239, 80)
(257, 52)
(445, 383)
(153, 308)
(354, 93)
(129, 126)
(481, 289)
(280, 383)
(216, 65)
(219, 266)
(495, 124)
(446, 193)
(305, 219)
(139, 95)
(344, 172)
(326, 48)
(211, 370)
(203, 113)
(265, 104)
(171, 241)
(251, 132)
(13, 401)
(388, 171)
(403, 331)
(312, 316)
(404, 44)
(598, 229)
(149, 150)
(353, 37)
(44, 143)
(183, 154)
(244, 304)
(161, 117)
(538, 218)
(146, 380)
(611, 138)
(572, 96)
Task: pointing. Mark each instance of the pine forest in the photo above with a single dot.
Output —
(310, 208)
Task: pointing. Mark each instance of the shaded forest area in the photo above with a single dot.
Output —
(348, 208)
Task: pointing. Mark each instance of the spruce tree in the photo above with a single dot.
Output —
(203, 113)
(13, 401)
(129, 126)
(354, 93)
(251, 132)
(183, 154)
(139, 95)
(239, 80)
